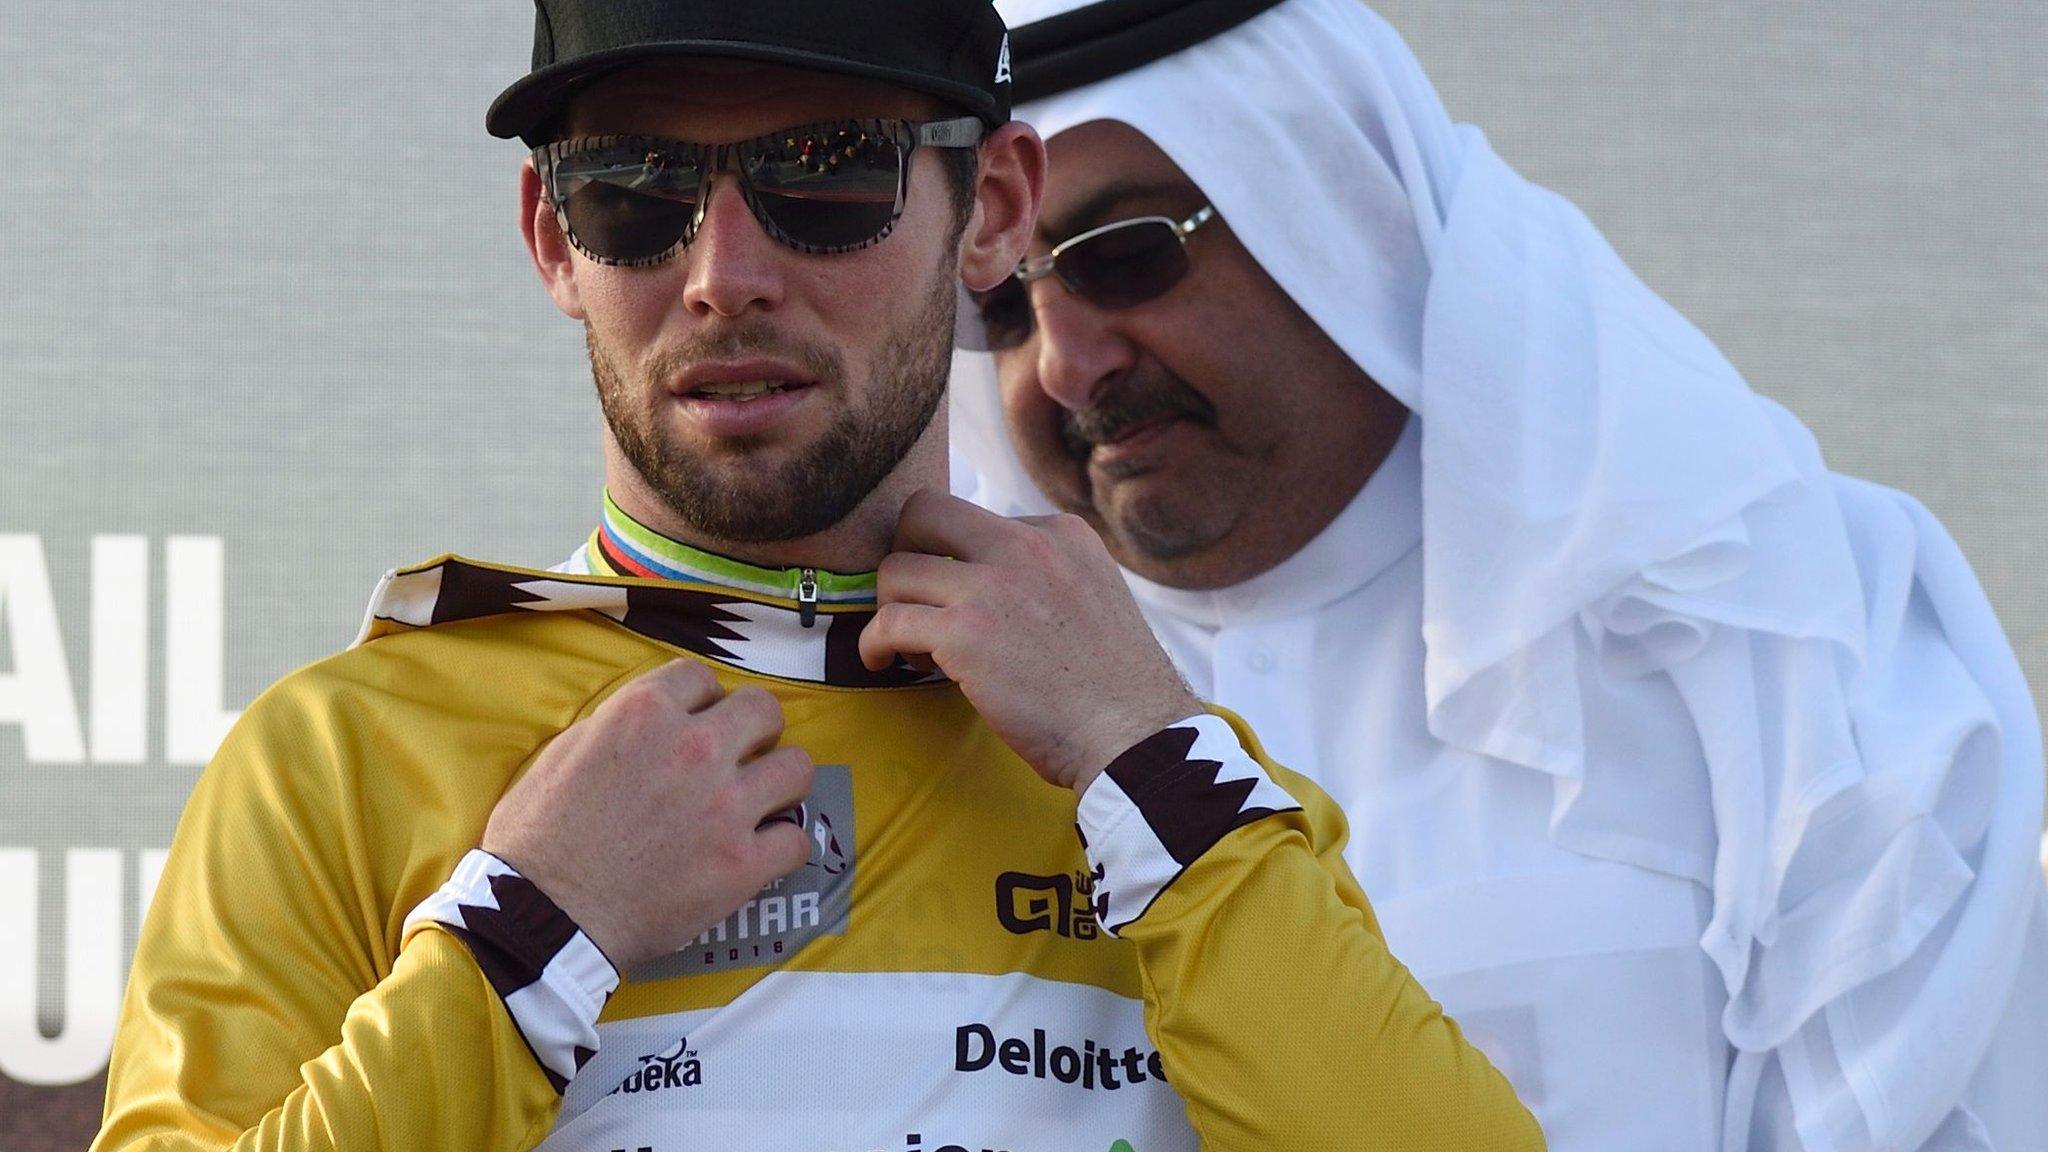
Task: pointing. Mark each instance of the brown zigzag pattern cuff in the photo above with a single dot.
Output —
(1161, 805)
(553, 979)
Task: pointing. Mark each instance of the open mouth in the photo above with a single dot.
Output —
(1134, 430)
(1136, 449)
(744, 391)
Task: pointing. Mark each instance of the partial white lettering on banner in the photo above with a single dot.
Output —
(37, 690)
(93, 968)
(66, 1038)
(120, 649)
(195, 645)
(149, 868)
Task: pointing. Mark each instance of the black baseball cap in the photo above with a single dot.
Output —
(957, 50)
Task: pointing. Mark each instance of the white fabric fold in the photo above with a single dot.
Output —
(1605, 502)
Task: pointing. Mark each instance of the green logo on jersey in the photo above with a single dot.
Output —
(1122, 1146)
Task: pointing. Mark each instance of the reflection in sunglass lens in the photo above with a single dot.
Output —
(1005, 314)
(828, 190)
(624, 200)
(621, 224)
(1125, 266)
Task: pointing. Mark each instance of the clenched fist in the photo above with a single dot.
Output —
(650, 821)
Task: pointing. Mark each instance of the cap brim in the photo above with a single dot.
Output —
(533, 102)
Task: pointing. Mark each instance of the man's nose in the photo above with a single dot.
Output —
(1078, 346)
(734, 266)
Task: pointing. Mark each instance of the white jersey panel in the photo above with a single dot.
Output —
(881, 1062)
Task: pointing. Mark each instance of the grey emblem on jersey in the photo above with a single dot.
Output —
(790, 913)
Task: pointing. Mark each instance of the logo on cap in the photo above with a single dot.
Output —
(1003, 62)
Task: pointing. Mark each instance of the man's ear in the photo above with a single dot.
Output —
(1007, 195)
(552, 256)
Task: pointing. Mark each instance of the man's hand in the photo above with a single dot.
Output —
(1032, 619)
(648, 821)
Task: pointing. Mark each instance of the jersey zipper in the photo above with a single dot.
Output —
(807, 597)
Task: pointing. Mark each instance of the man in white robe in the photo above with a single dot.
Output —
(1699, 783)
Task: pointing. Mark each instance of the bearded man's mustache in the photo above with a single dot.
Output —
(1130, 402)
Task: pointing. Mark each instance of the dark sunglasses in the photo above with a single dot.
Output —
(1118, 265)
(631, 201)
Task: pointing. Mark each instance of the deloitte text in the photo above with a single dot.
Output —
(976, 1048)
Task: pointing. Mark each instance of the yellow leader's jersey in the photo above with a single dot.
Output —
(329, 964)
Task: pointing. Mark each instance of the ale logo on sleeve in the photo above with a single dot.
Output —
(789, 913)
(1062, 905)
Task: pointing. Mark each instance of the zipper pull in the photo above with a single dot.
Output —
(807, 597)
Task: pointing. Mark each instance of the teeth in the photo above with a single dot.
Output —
(741, 390)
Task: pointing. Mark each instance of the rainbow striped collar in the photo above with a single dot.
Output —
(622, 546)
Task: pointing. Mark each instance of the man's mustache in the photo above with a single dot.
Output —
(750, 338)
(1132, 402)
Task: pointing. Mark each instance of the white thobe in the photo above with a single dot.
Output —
(1583, 978)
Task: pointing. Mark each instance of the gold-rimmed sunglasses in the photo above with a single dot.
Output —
(1118, 265)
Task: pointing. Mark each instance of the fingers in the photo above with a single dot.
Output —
(686, 683)
(777, 781)
(921, 578)
(1065, 526)
(940, 524)
(906, 630)
(749, 719)
(781, 848)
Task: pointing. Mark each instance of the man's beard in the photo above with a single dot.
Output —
(830, 476)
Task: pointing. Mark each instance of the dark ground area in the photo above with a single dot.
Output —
(49, 1119)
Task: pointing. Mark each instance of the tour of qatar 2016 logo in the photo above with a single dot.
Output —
(827, 854)
(789, 913)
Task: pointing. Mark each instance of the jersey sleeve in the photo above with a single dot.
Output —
(1281, 1018)
(275, 1005)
